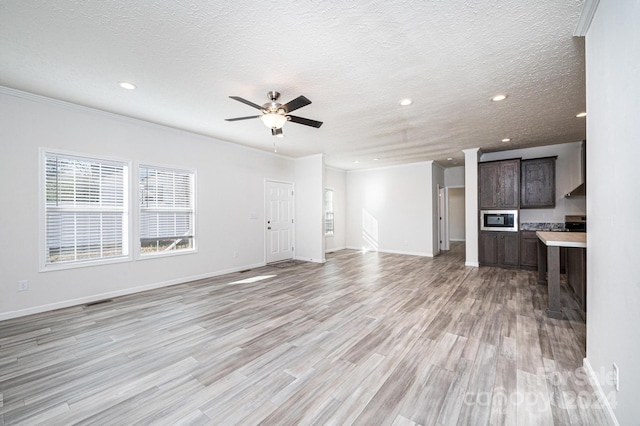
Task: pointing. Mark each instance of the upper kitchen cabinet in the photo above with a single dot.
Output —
(499, 184)
(538, 183)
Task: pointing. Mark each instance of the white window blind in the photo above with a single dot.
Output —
(328, 211)
(86, 208)
(166, 210)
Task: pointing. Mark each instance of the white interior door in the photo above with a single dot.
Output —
(279, 221)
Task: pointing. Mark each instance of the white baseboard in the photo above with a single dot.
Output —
(310, 259)
(118, 293)
(473, 264)
(602, 397)
(408, 253)
(335, 249)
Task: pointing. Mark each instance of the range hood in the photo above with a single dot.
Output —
(580, 190)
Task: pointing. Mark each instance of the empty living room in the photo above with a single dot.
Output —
(295, 213)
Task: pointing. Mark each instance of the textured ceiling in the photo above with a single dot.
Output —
(354, 60)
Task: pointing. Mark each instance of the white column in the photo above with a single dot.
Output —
(471, 157)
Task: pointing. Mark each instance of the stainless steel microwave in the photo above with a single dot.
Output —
(499, 220)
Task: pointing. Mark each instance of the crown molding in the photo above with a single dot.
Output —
(4, 90)
(586, 16)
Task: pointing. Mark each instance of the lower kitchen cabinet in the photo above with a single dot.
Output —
(488, 253)
(528, 250)
(499, 249)
(577, 274)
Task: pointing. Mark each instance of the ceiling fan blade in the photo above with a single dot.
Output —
(244, 101)
(305, 121)
(241, 118)
(293, 105)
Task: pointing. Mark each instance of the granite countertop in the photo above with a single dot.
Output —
(563, 239)
(542, 226)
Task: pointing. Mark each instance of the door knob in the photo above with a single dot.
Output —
(268, 227)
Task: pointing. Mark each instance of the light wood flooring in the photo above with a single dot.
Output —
(367, 339)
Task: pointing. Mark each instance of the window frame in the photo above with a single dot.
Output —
(325, 211)
(45, 266)
(194, 211)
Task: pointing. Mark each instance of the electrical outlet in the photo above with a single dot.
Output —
(23, 285)
(616, 377)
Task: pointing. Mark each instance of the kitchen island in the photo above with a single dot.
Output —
(549, 244)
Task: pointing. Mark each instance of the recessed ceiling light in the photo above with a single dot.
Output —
(376, 159)
(356, 162)
(497, 98)
(506, 140)
(127, 85)
(582, 114)
(406, 102)
(450, 159)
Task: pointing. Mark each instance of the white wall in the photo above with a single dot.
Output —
(456, 214)
(391, 209)
(454, 176)
(613, 202)
(568, 176)
(336, 179)
(230, 189)
(309, 200)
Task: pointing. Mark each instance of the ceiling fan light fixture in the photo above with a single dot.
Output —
(273, 120)
(275, 115)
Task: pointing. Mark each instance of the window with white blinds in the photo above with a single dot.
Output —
(328, 211)
(166, 210)
(85, 209)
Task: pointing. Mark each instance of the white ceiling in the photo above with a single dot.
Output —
(354, 60)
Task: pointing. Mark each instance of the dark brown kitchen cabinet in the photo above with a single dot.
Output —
(528, 250)
(488, 248)
(538, 183)
(577, 274)
(499, 249)
(499, 184)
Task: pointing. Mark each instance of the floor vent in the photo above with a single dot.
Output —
(98, 302)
